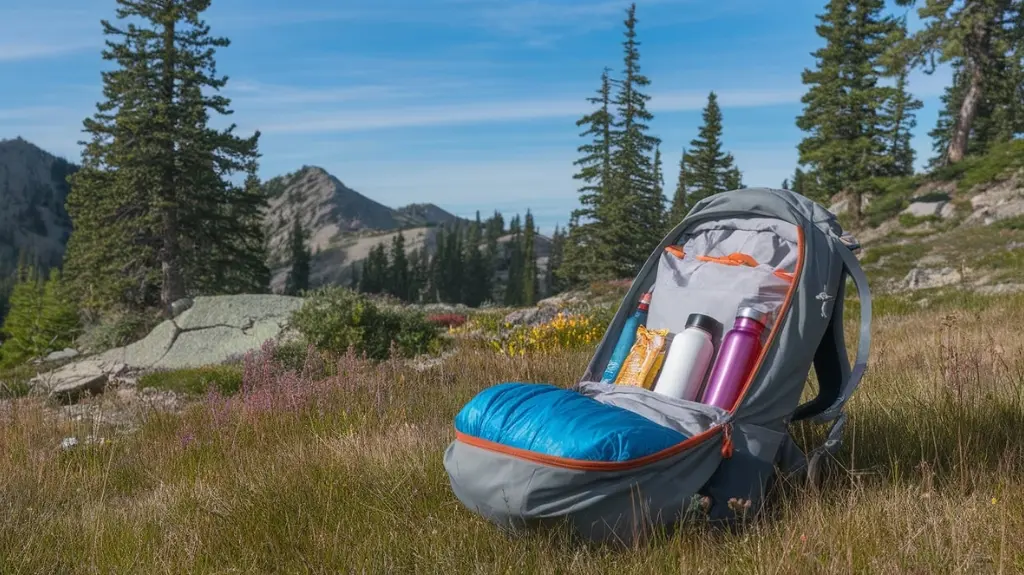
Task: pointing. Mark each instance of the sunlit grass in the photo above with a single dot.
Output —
(308, 473)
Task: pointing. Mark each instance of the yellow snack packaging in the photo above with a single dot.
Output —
(645, 358)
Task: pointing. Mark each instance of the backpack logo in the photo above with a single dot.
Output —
(824, 298)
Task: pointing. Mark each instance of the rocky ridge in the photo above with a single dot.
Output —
(33, 189)
(946, 237)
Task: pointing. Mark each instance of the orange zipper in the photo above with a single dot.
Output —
(582, 464)
(726, 428)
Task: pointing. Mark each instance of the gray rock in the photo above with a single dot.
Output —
(922, 278)
(843, 205)
(925, 209)
(179, 307)
(999, 202)
(71, 381)
(66, 353)
(212, 331)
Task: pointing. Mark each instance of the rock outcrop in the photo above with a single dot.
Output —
(999, 202)
(212, 331)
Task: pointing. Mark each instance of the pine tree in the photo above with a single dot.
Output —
(529, 264)
(418, 274)
(706, 169)
(514, 284)
(552, 280)
(375, 271)
(900, 122)
(298, 276)
(398, 283)
(659, 176)
(635, 206)
(58, 322)
(477, 281)
(353, 282)
(968, 35)
(588, 248)
(22, 324)
(155, 176)
(732, 178)
(845, 144)
(680, 201)
(436, 267)
(454, 266)
(41, 317)
(999, 114)
(799, 183)
(898, 113)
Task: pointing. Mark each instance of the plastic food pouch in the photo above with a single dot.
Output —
(645, 358)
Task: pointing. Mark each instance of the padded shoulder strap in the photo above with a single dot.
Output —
(860, 364)
(836, 380)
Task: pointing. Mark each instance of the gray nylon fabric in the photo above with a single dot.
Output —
(687, 285)
(687, 417)
(603, 504)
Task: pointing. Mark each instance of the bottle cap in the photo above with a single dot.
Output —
(752, 313)
(645, 301)
(703, 323)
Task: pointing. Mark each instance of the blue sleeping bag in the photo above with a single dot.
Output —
(560, 422)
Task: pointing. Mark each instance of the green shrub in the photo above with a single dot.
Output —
(1015, 223)
(227, 379)
(291, 355)
(910, 220)
(333, 319)
(995, 165)
(885, 208)
(41, 318)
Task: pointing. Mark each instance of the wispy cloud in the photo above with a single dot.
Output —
(542, 22)
(19, 51)
(62, 27)
(504, 111)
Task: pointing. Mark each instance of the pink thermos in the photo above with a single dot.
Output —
(740, 349)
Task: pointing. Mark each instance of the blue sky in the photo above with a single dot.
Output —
(470, 104)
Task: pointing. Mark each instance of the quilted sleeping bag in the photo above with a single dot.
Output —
(558, 422)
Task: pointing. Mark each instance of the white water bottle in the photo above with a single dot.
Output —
(688, 358)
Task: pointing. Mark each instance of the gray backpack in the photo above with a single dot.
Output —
(800, 263)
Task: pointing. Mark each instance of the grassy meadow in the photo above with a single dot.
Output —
(338, 469)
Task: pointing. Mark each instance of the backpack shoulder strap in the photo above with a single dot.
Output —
(836, 380)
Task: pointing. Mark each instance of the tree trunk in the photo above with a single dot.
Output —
(978, 52)
(965, 118)
(173, 285)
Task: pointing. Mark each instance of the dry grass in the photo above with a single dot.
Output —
(303, 474)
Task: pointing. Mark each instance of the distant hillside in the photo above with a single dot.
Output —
(343, 224)
(33, 219)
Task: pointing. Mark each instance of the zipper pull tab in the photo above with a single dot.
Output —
(727, 441)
